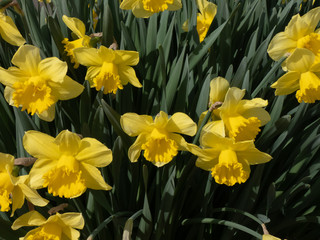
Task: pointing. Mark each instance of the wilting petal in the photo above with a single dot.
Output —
(93, 152)
(287, 84)
(93, 177)
(134, 124)
(32, 218)
(181, 123)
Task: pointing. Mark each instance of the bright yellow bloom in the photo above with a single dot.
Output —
(239, 119)
(145, 8)
(14, 190)
(109, 69)
(269, 237)
(9, 31)
(67, 165)
(56, 227)
(303, 75)
(300, 33)
(228, 161)
(35, 84)
(158, 138)
(78, 28)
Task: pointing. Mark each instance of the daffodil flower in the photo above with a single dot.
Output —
(109, 69)
(14, 190)
(79, 29)
(269, 237)
(159, 138)
(300, 33)
(236, 118)
(146, 8)
(228, 161)
(303, 76)
(58, 226)
(35, 84)
(9, 31)
(67, 165)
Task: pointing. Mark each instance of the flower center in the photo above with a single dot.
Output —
(241, 129)
(108, 78)
(65, 180)
(159, 149)
(156, 5)
(229, 171)
(6, 187)
(49, 231)
(34, 95)
(309, 88)
(311, 42)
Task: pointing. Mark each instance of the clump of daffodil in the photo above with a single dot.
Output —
(158, 138)
(9, 31)
(146, 8)
(67, 165)
(58, 226)
(302, 76)
(14, 190)
(36, 85)
(228, 161)
(300, 33)
(78, 28)
(109, 69)
(236, 118)
(208, 11)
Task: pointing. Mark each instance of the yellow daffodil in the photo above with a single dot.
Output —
(58, 226)
(67, 165)
(78, 28)
(237, 118)
(269, 237)
(109, 69)
(145, 8)
(14, 190)
(228, 161)
(159, 138)
(300, 33)
(208, 11)
(303, 75)
(9, 31)
(35, 84)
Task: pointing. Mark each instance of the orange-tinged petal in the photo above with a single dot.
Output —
(27, 58)
(93, 152)
(93, 177)
(134, 124)
(32, 218)
(181, 123)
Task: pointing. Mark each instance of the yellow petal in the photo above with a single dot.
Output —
(212, 140)
(70, 233)
(309, 88)
(40, 145)
(17, 199)
(93, 152)
(207, 158)
(180, 141)
(269, 237)
(9, 31)
(280, 45)
(75, 25)
(287, 84)
(233, 96)
(39, 168)
(218, 89)
(135, 149)
(33, 196)
(93, 177)
(127, 74)
(260, 113)
(8, 93)
(53, 68)
(92, 72)
(176, 5)
(48, 115)
(68, 142)
(246, 151)
(181, 123)
(88, 56)
(32, 218)
(27, 58)
(134, 124)
(139, 12)
(128, 4)
(297, 28)
(6, 162)
(216, 127)
(66, 89)
(300, 60)
(74, 220)
(12, 75)
(106, 54)
(312, 18)
(126, 57)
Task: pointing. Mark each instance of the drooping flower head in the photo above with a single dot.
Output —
(158, 138)
(300, 33)
(236, 118)
(303, 76)
(58, 226)
(66, 165)
(14, 190)
(228, 161)
(35, 84)
(79, 29)
(109, 69)
(146, 8)
(9, 31)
